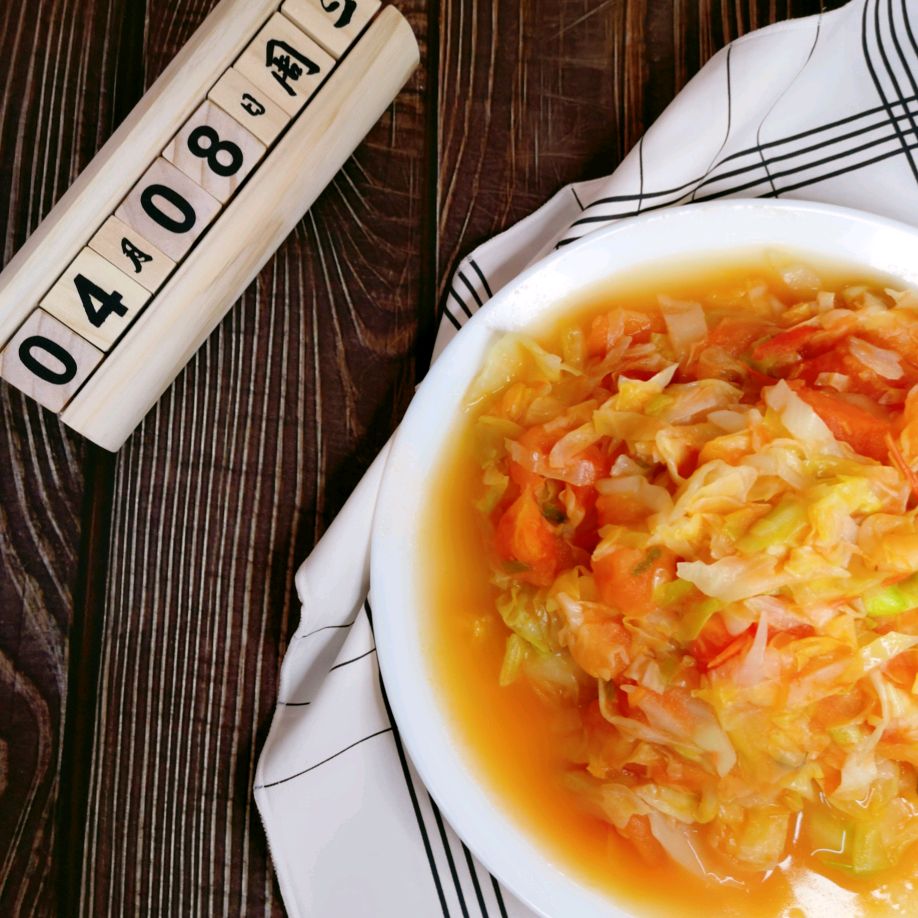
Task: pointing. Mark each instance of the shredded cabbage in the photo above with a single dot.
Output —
(705, 551)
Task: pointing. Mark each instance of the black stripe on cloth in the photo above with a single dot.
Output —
(474, 875)
(500, 897)
(778, 98)
(303, 637)
(876, 80)
(781, 190)
(640, 199)
(409, 783)
(472, 290)
(306, 771)
(480, 273)
(908, 27)
(462, 304)
(294, 704)
(455, 322)
(440, 825)
(835, 157)
(723, 144)
(792, 154)
(844, 170)
(905, 64)
(769, 144)
(733, 189)
(449, 857)
(892, 74)
(352, 660)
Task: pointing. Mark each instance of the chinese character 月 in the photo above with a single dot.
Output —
(287, 64)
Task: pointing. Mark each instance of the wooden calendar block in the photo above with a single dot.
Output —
(128, 251)
(268, 207)
(252, 108)
(95, 299)
(48, 361)
(334, 24)
(285, 63)
(169, 209)
(215, 151)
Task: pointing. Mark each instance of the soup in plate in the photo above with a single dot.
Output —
(675, 589)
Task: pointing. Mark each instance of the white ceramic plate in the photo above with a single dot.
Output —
(706, 231)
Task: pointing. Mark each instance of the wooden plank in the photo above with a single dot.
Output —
(217, 500)
(64, 86)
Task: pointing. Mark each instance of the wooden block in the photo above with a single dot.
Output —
(95, 299)
(215, 151)
(128, 251)
(251, 107)
(48, 361)
(285, 63)
(255, 222)
(169, 209)
(104, 184)
(334, 24)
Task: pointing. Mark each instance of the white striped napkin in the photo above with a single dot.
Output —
(825, 109)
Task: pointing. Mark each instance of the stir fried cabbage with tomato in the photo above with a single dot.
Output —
(701, 525)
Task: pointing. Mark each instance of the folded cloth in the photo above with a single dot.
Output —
(824, 108)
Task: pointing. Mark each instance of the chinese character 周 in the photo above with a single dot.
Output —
(287, 64)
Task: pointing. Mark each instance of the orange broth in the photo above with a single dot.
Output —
(507, 733)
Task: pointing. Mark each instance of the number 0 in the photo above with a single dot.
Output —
(57, 377)
(149, 200)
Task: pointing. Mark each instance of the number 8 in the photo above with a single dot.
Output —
(214, 148)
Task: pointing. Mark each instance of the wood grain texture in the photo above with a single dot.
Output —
(61, 95)
(221, 494)
(246, 459)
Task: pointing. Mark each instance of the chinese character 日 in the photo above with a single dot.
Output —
(251, 105)
(287, 64)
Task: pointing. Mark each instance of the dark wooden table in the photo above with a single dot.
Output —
(146, 599)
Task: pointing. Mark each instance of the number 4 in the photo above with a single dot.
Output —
(91, 293)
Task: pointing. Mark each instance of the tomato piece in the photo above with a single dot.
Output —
(637, 832)
(626, 577)
(594, 456)
(836, 710)
(525, 536)
(736, 336)
(860, 429)
(903, 669)
(786, 346)
(861, 378)
(536, 440)
(621, 510)
(734, 648)
(601, 647)
(607, 327)
(897, 459)
(713, 638)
